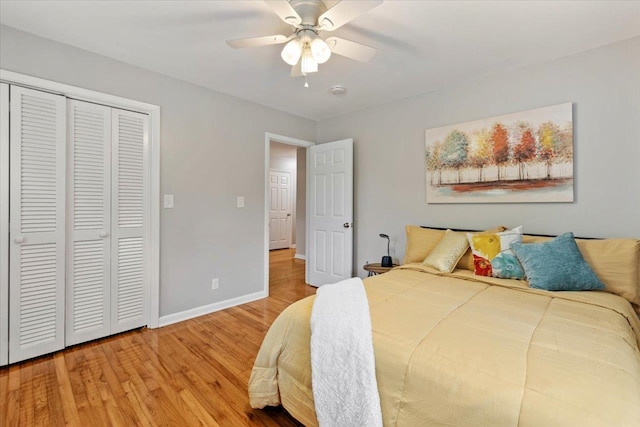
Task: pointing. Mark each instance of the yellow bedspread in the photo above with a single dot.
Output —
(457, 350)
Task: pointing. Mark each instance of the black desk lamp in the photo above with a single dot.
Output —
(386, 260)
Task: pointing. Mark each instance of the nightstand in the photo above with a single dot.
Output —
(376, 268)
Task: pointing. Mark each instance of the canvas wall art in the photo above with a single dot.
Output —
(519, 157)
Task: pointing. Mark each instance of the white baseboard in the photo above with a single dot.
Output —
(209, 308)
(292, 246)
(302, 257)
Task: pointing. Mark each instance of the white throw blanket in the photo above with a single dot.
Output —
(343, 372)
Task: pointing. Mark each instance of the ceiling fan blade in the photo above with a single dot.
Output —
(285, 11)
(258, 41)
(296, 70)
(344, 12)
(350, 49)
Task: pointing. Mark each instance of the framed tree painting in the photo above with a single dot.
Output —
(519, 157)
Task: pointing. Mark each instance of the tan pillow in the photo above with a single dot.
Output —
(616, 262)
(421, 241)
(447, 252)
(535, 239)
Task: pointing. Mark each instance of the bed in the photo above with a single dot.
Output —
(459, 349)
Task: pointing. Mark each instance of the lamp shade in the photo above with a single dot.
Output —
(291, 52)
(320, 50)
(309, 65)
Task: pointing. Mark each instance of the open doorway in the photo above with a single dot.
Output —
(283, 194)
(285, 202)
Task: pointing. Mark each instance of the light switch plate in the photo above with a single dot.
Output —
(168, 201)
(241, 201)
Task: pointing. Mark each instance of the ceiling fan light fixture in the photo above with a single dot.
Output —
(309, 64)
(320, 50)
(304, 49)
(291, 52)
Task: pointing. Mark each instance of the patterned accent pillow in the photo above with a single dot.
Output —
(492, 254)
(447, 252)
(557, 265)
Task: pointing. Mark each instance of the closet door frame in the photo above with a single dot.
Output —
(153, 239)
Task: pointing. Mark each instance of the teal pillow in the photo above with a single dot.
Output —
(556, 265)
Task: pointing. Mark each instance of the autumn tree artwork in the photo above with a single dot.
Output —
(519, 157)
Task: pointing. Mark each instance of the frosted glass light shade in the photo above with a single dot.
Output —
(309, 65)
(320, 51)
(291, 52)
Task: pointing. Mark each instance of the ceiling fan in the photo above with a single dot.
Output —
(305, 48)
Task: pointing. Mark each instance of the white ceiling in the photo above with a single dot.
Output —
(422, 45)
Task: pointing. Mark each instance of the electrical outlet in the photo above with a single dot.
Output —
(215, 283)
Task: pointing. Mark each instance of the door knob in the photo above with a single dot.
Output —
(103, 234)
(288, 214)
(19, 239)
(346, 225)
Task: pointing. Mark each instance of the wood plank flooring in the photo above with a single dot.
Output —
(188, 374)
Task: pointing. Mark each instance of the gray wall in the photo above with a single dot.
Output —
(212, 150)
(603, 84)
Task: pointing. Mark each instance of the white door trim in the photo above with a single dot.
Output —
(154, 167)
(268, 137)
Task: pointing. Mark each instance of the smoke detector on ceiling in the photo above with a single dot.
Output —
(338, 90)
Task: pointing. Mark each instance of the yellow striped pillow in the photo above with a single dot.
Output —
(447, 252)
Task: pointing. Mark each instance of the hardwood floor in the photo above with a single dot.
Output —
(188, 374)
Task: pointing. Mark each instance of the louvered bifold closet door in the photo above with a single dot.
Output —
(129, 220)
(37, 231)
(4, 224)
(88, 222)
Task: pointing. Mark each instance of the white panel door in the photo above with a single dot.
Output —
(330, 196)
(129, 220)
(88, 289)
(280, 210)
(37, 230)
(4, 224)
